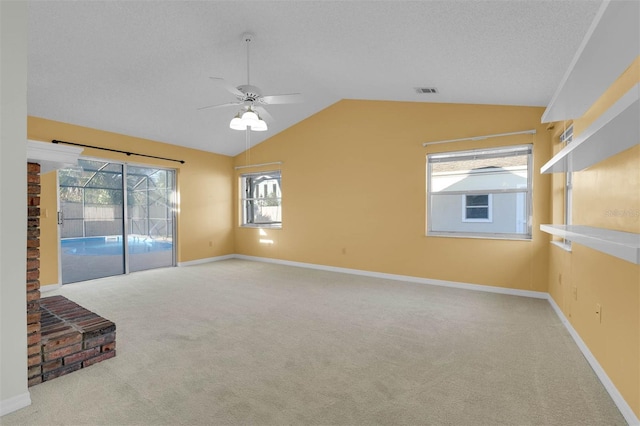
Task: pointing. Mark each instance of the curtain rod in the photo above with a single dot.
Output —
(117, 150)
(257, 165)
(478, 138)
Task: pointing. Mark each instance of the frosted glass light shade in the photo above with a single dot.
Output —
(250, 119)
(259, 126)
(249, 116)
(237, 124)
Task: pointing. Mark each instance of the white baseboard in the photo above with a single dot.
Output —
(15, 403)
(49, 287)
(207, 260)
(622, 405)
(405, 278)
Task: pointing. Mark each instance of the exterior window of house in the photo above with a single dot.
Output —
(261, 199)
(566, 138)
(476, 208)
(490, 186)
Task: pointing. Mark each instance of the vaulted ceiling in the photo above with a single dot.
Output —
(142, 68)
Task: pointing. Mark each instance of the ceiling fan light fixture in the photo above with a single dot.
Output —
(250, 119)
(237, 123)
(259, 126)
(249, 116)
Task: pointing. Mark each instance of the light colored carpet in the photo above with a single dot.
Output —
(240, 342)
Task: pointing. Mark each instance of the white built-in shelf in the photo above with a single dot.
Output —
(609, 47)
(52, 156)
(623, 245)
(616, 130)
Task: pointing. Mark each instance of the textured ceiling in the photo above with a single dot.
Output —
(142, 68)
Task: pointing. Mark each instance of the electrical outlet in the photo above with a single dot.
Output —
(599, 312)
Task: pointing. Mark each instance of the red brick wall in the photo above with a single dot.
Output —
(33, 273)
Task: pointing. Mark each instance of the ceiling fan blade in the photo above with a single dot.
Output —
(221, 105)
(291, 98)
(264, 114)
(220, 82)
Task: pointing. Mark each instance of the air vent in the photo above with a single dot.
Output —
(425, 90)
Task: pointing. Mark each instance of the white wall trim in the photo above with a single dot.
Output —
(52, 156)
(50, 287)
(15, 403)
(622, 405)
(207, 260)
(406, 278)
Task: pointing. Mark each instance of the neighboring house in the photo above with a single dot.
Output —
(463, 206)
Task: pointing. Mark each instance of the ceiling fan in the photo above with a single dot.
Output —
(251, 99)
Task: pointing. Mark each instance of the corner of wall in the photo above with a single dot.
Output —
(13, 190)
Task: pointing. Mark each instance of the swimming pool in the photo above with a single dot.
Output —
(112, 245)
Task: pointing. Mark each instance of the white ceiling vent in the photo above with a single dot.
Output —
(425, 90)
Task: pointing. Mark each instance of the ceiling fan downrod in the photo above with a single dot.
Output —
(248, 38)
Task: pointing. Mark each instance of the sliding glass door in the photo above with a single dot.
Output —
(100, 234)
(91, 221)
(150, 217)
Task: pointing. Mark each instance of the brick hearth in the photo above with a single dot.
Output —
(72, 338)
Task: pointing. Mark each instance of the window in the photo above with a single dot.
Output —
(566, 138)
(476, 208)
(491, 187)
(261, 199)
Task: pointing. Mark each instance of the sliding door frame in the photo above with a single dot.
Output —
(126, 220)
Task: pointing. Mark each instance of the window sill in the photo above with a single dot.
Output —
(480, 237)
(563, 246)
(262, 226)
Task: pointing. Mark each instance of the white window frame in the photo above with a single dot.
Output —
(489, 208)
(566, 138)
(247, 201)
(488, 152)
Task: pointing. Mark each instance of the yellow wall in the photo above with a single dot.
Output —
(605, 195)
(204, 220)
(48, 229)
(354, 184)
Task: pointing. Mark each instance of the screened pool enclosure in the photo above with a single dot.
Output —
(115, 218)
